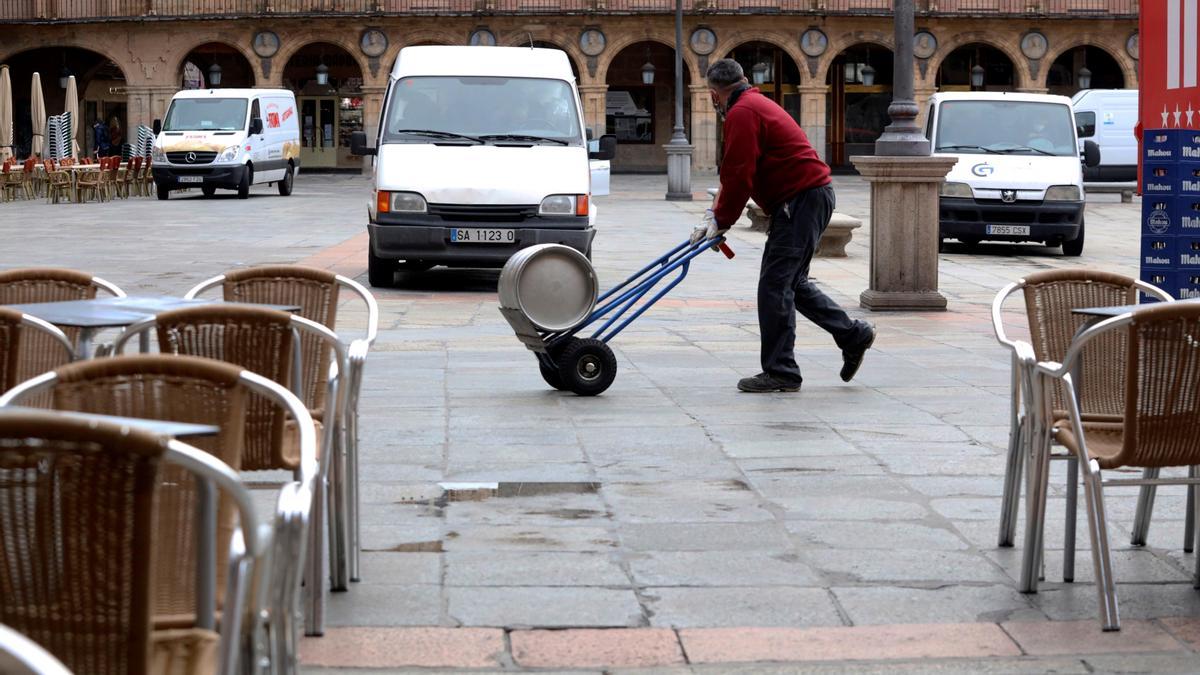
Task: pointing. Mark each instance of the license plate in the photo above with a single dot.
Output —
(482, 235)
(1008, 229)
(191, 179)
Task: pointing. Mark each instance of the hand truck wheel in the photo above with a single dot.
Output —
(549, 370)
(587, 366)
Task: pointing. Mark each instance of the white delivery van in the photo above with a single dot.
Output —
(1107, 116)
(481, 151)
(1018, 176)
(227, 138)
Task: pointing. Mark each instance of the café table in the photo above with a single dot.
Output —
(206, 511)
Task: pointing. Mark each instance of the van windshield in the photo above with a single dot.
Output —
(206, 114)
(1005, 127)
(482, 110)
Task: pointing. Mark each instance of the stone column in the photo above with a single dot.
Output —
(904, 231)
(704, 128)
(145, 103)
(372, 108)
(593, 98)
(812, 115)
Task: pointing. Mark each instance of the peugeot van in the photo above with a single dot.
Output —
(480, 152)
(1107, 116)
(1018, 176)
(227, 138)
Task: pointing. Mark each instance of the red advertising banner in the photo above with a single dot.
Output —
(1169, 97)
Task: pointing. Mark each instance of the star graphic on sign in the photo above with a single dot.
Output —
(1189, 112)
(1165, 115)
(1177, 115)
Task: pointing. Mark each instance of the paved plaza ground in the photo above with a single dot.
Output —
(674, 524)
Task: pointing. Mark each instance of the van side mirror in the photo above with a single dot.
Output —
(256, 126)
(1091, 154)
(608, 148)
(157, 127)
(358, 144)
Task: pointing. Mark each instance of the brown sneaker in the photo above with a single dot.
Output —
(763, 383)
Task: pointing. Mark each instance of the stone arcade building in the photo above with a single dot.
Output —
(828, 62)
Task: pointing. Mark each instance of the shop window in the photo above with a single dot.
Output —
(629, 114)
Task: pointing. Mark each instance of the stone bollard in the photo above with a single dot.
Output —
(833, 241)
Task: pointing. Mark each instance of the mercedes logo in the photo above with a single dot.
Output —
(190, 157)
(1008, 196)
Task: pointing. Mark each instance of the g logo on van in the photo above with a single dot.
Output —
(983, 169)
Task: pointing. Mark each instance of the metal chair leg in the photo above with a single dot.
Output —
(1010, 504)
(1145, 507)
(1189, 529)
(339, 567)
(1106, 586)
(1035, 502)
(314, 576)
(1069, 529)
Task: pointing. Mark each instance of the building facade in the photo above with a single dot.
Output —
(828, 62)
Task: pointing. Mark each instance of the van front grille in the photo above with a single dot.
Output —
(483, 212)
(197, 157)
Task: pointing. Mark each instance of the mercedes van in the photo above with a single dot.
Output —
(1107, 116)
(1018, 176)
(480, 152)
(227, 138)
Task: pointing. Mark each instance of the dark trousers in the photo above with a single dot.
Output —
(784, 288)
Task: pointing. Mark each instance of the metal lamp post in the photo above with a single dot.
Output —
(679, 151)
(903, 137)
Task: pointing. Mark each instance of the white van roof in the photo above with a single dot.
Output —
(483, 62)
(1090, 95)
(997, 96)
(231, 93)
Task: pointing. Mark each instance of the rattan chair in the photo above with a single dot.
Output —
(21, 656)
(90, 183)
(1050, 297)
(52, 284)
(199, 391)
(21, 336)
(62, 481)
(316, 292)
(1160, 425)
(262, 341)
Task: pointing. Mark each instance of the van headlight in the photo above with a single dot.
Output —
(399, 202)
(564, 205)
(158, 155)
(229, 154)
(1063, 193)
(957, 190)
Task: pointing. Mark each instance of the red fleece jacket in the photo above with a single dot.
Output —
(767, 157)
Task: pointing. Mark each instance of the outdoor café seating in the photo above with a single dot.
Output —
(27, 347)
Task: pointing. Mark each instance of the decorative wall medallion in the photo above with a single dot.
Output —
(703, 41)
(265, 44)
(592, 42)
(924, 44)
(373, 42)
(1131, 46)
(1034, 45)
(482, 37)
(813, 42)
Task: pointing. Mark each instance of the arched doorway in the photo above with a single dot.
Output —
(215, 65)
(640, 106)
(860, 90)
(771, 70)
(327, 81)
(976, 67)
(541, 44)
(1068, 72)
(99, 82)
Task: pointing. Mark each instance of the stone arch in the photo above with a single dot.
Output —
(614, 47)
(1022, 77)
(430, 37)
(521, 39)
(846, 41)
(127, 67)
(248, 56)
(336, 38)
(784, 42)
(1129, 69)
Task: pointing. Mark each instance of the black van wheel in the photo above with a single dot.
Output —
(285, 185)
(587, 366)
(244, 185)
(1074, 248)
(208, 191)
(163, 194)
(381, 272)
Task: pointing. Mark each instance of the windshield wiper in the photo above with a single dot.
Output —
(438, 134)
(521, 137)
(967, 147)
(1024, 148)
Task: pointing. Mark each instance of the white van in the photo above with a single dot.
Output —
(1018, 176)
(227, 138)
(1107, 116)
(481, 151)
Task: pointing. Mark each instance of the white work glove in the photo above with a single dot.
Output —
(708, 228)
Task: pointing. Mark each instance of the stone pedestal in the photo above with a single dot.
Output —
(904, 231)
(679, 171)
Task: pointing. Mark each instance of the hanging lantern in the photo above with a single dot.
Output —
(648, 73)
(214, 75)
(323, 74)
(868, 75)
(759, 72)
(63, 76)
(1085, 78)
(977, 76)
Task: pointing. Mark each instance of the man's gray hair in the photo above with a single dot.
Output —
(724, 73)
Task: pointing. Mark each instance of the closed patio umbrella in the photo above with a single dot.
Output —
(38, 116)
(6, 115)
(72, 106)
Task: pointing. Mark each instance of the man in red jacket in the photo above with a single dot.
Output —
(768, 157)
